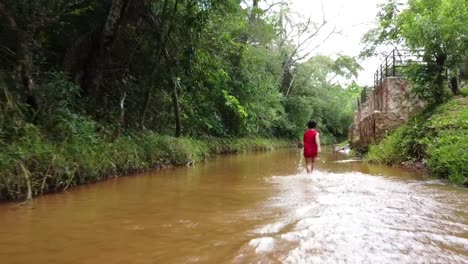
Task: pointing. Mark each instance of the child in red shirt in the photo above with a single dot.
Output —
(311, 145)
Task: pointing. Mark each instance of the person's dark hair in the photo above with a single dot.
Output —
(311, 124)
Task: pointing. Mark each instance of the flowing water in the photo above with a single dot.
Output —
(252, 208)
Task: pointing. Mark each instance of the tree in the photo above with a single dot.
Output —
(27, 20)
(181, 67)
(324, 90)
(437, 28)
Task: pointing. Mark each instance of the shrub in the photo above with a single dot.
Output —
(390, 150)
(448, 156)
(464, 91)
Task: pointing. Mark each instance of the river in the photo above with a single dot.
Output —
(246, 208)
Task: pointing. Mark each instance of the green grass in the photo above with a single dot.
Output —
(390, 150)
(32, 165)
(438, 137)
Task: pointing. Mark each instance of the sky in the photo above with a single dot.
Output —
(352, 18)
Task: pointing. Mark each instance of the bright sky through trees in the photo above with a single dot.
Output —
(352, 19)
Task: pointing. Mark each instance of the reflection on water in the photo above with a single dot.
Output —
(252, 208)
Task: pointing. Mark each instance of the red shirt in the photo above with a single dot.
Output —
(310, 146)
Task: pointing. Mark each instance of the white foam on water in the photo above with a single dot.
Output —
(357, 218)
(347, 161)
(263, 244)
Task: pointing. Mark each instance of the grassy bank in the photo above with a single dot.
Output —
(33, 165)
(437, 138)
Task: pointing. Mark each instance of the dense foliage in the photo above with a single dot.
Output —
(91, 88)
(182, 67)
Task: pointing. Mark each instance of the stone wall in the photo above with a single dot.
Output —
(388, 106)
(375, 126)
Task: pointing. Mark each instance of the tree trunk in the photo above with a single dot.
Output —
(121, 121)
(244, 38)
(454, 85)
(23, 68)
(106, 41)
(161, 41)
(175, 102)
(145, 107)
(439, 94)
(24, 78)
(253, 15)
(286, 76)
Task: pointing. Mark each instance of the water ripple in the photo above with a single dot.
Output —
(359, 218)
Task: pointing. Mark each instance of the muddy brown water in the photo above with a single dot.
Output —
(247, 208)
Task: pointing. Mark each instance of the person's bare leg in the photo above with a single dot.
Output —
(309, 164)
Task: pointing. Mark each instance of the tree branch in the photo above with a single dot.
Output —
(7, 50)
(273, 5)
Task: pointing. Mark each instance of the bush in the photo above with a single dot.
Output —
(390, 150)
(464, 91)
(448, 157)
(446, 149)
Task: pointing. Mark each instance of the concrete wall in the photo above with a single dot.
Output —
(388, 106)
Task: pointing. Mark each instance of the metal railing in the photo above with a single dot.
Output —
(394, 64)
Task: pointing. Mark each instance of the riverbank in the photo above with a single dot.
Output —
(435, 139)
(34, 165)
